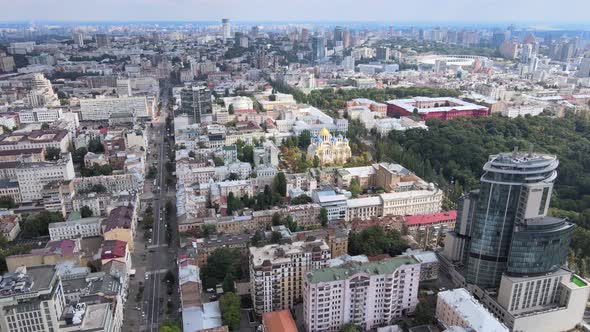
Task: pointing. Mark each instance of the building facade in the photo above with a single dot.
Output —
(277, 270)
(367, 295)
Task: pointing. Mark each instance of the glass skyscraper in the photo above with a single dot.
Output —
(509, 231)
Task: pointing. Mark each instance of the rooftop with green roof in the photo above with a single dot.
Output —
(386, 266)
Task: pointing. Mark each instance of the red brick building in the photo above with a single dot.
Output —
(444, 108)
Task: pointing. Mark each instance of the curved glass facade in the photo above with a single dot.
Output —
(512, 184)
(539, 246)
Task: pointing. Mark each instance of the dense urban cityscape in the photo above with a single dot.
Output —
(227, 175)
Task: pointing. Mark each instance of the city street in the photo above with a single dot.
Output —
(153, 257)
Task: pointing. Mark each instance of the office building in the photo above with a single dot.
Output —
(509, 228)
(456, 307)
(318, 48)
(367, 295)
(508, 243)
(196, 103)
(48, 138)
(277, 271)
(31, 299)
(100, 109)
(39, 115)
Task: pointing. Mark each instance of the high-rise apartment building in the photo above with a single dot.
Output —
(31, 299)
(383, 53)
(225, 29)
(277, 272)
(103, 40)
(195, 102)
(584, 68)
(367, 295)
(78, 38)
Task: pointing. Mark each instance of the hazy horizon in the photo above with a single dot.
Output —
(476, 12)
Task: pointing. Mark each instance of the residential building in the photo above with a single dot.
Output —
(120, 225)
(32, 299)
(367, 295)
(196, 103)
(277, 270)
(456, 307)
(10, 188)
(75, 228)
(48, 138)
(33, 176)
(10, 226)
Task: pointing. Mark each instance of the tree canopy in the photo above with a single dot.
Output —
(221, 264)
(375, 241)
(229, 304)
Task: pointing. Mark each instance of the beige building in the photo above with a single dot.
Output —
(277, 272)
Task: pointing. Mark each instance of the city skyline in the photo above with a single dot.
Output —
(522, 11)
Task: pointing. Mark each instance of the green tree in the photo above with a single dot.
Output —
(44, 126)
(79, 154)
(95, 145)
(316, 161)
(256, 238)
(424, 312)
(291, 224)
(230, 109)
(280, 184)
(229, 304)
(37, 224)
(301, 199)
(375, 241)
(276, 219)
(222, 262)
(355, 188)
(169, 326)
(7, 202)
(86, 211)
(275, 237)
(304, 139)
(52, 153)
(349, 327)
(233, 177)
(324, 217)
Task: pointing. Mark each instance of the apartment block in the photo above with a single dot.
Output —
(364, 294)
(277, 270)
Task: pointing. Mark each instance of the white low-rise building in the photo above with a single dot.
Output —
(456, 307)
(72, 229)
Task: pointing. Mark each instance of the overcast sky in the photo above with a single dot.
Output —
(554, 11)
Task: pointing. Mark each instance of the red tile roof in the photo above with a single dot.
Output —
(428, 219)
(113, 249)
(279, 321)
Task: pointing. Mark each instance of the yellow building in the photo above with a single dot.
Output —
(331, 150)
